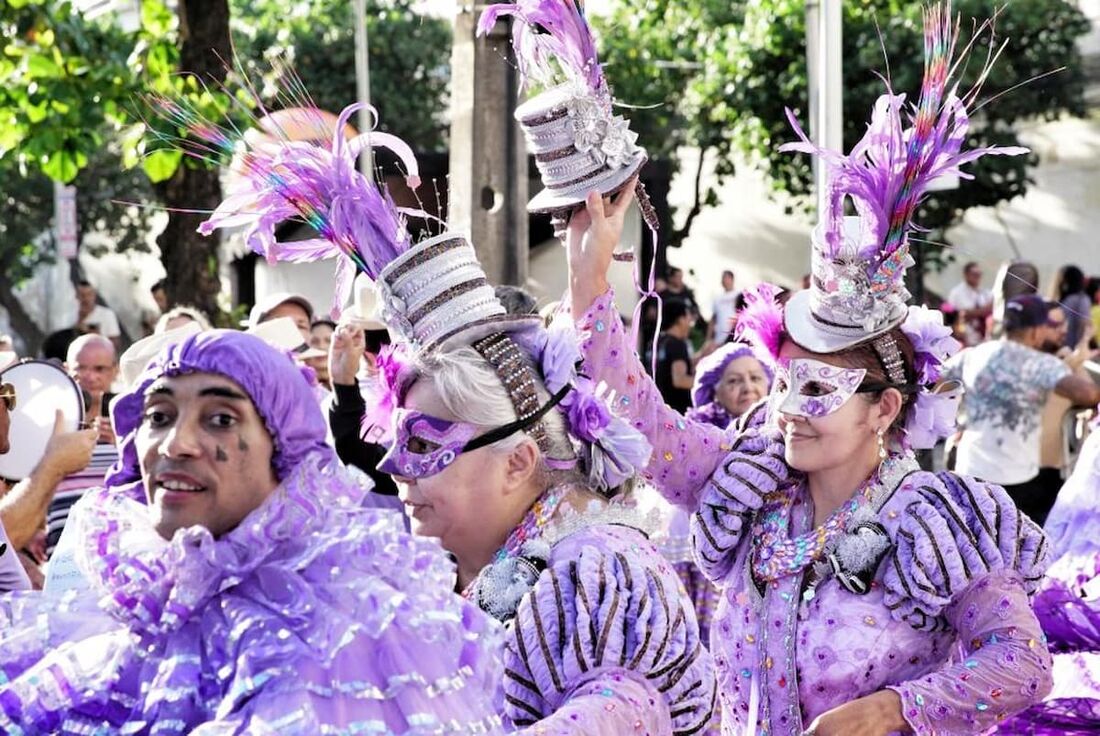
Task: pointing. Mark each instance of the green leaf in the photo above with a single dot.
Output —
(160, 165)
(42, 66)
(63, 165)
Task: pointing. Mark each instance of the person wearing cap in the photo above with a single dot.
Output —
(1007, 383)
(320, 339)
(238, 583)
(860, 594)
(283, 304)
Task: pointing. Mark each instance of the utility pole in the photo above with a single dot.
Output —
(824, 49)
(362, 84)
(488, 158)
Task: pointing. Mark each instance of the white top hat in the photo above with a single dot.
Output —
(437, 292)
(842, 307)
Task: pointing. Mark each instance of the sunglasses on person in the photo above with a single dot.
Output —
(7, 394)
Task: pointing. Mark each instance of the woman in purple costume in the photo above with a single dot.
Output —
(513, 460)
(237, 583)
(860, 595)
(1068, 606)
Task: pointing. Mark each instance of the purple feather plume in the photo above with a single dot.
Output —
(275, 179)
(549, 31)
(888, 172)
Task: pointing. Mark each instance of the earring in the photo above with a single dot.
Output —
(880, 435)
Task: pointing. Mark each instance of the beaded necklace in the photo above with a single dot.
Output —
(775, 555)
(539, 515)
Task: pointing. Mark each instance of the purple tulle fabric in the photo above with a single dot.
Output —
(1068, 607)
(313, 614)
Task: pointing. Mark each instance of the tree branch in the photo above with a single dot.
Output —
(680, 234)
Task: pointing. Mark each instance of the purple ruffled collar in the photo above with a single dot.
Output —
(154, 585)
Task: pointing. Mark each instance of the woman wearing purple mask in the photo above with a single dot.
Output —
(860, 595)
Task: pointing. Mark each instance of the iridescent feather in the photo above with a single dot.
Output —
(888, 172)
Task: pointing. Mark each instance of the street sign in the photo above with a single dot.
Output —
(65, 229)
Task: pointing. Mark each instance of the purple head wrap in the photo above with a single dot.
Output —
(279, 388)
(710, 369)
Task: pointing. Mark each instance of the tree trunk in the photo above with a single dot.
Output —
(191, 260)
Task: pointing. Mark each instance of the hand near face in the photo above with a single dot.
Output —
(878, 714)
(348, 344)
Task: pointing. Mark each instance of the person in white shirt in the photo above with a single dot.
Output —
(724, 311)
(1006, 383)
(93, 317)
(973, 303)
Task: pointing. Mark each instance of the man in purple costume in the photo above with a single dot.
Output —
(238, 583)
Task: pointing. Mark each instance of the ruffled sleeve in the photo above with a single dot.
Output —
(967, 561)
(606, 643)
(685, 452)
(753, 469)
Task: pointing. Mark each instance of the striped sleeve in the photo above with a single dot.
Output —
(607, 643)
(953, 531)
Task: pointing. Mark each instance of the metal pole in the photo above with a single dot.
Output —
(362, 83)
(824, 47)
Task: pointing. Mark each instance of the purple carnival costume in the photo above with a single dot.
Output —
(600, 639)
(919, 583)
(313, 614)
(1068, 607)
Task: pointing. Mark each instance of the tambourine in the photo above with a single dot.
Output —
(41, 389)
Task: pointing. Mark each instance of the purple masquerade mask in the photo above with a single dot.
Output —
(810, 388)
(424, 445)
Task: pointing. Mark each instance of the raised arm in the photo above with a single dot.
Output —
(685, 453)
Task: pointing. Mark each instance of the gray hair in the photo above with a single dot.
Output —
(471, 390)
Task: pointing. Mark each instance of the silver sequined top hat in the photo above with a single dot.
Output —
(842, 307)
(436, 292)
(579, 144)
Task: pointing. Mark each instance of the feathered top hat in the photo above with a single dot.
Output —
(578, 141)
(434, 293)
(858, 264)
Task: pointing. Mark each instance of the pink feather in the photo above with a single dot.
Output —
(760, 322)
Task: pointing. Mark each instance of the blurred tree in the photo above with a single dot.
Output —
(409, 59)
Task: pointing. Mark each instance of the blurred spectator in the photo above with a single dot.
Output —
(283, 304)
(1093, 291)
(179, 316)
(806, 280)
(1058, 448)
(93, 364)
(320, 338)
(1007, 383)
(149, 317)
(94, 317)
(1068, 290)
(674, 376)
(972, 304)
(7, 344)
(55, 347)
(723, 311)
(1014, 278)
(677, 291)
(516, 300)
